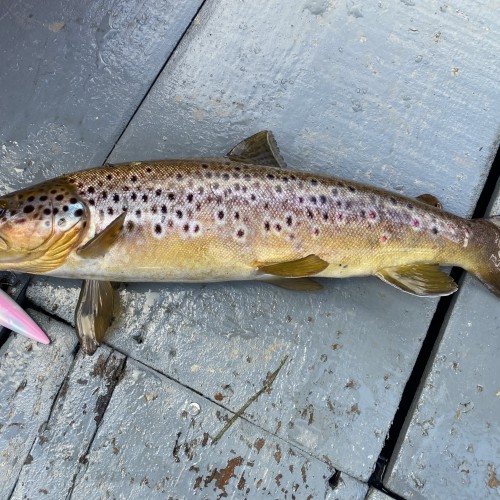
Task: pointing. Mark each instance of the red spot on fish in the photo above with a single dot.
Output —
(372, 214)
(415, 223)
(339, 216)
(383, 239)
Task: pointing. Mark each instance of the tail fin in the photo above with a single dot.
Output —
(487, 269)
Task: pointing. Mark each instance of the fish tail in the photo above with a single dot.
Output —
(486, 264)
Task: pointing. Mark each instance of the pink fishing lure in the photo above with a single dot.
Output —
(13, 317)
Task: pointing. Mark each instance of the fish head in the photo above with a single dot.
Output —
(39, 226)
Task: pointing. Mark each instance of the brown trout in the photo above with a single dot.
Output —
(241, 217)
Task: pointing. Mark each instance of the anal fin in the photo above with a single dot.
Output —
(424, 280)
(299, 268)
(94, 313)
(296, 284)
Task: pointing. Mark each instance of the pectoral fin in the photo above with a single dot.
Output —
(430, 199)
(94, 313)
(296, 284)
(425, 280)
(307, 266)
(259, 149)
(100, 244)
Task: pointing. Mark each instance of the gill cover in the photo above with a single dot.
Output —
(39, 226)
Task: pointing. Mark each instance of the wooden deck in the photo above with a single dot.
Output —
(395, 94)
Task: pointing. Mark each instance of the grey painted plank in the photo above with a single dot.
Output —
(341, 385)
(155, 442)
(31, 376)
(72, 74)
(374, 494)
(452, 445)
(59, 452)
(399, 94)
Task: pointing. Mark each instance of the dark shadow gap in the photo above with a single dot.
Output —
(438, 322)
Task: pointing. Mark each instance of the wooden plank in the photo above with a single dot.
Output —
(72, 74)
(451, 447)
(60, 449)
(32, 375)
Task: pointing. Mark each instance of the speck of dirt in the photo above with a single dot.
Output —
(259, 443)
(218, 396)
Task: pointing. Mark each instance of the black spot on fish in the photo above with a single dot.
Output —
(278, 227)
(72, 200)
(133, 179)
(362, 213)
(47, 211)
(293, 177)
(348, 204)
(289, 221)
(185, 227)
(90, 190)
(267, 226)
(338, 203)
(138, 212)
(236, 215)
(116, 198)
(149, 170)
(65, 208)
(237, 187)
(393, 200)
(104, 195)
(130, 225)
(225, 177)
(198, 206)
(325, 216)
(322, 199)
(133, 196)
(179, 214)
(309, 213)
(53, 191)
(158, 192)
(252, 197)
(110, 211)
(351, 189)
(196, 228)
(109, 177)
(31, 198)
(154, 209)
(44, 198)
(144, 197)
(78, 212)
(284, 178)
(301, 200)
(313, 199)
(179, 177)
(28, 209)
(240, 233)
(204, 165)
(209, 175)
(314, 182)
(435, 230)
(410, 206)
(270, 176)
(126, 188)
(164, 209)
(247, 177)
(220, 215)
(158, 229)
(91, 201)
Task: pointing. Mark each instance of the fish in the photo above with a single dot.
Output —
(245, 216)
(13, 317)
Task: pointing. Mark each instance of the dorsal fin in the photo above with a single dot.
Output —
(259, 149)
(99, 244)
